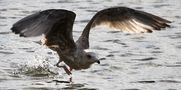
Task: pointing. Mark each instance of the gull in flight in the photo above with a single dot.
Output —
(56, 25)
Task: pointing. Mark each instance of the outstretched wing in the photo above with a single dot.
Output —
(124, 19)
(55, 24)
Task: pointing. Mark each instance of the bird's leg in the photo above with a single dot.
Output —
(70, 78)
(58, 63)
(64, 67)
(68, 71)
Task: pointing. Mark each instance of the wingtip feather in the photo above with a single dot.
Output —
(15, 30)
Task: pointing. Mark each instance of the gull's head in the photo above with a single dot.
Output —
(90, 58)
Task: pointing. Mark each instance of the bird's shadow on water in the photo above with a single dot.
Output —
(62, 85)
(71, 85)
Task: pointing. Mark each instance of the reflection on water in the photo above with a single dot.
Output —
(128, 61)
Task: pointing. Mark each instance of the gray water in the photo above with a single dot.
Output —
(128, 61)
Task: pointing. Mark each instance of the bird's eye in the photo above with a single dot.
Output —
(89, 56)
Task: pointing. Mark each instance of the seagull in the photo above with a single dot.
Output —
(56, 26)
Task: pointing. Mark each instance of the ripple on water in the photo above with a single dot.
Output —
(175, 36)
(4, 33)
(12, 8)
(104, 64)
(39, 88)
(3, 24)
(156, 52)
(100, 48)
(3, 10)
(92, 11)
(66, 1)
(82, 21)
(178, 46)
(145, 81)
(113, 32)
(117, 41)
(74, 86)
(170, 81)
(1, 17)
(110, 55)
(29, 50)
(138, 7)
(6, 52)
(28, 12)
(146, 59)
(129, 54)
(161, 5)
(178, 17)
(114, 52)
(116, 67)
(177, 65)
(102, 59)
(152, 47)
(130, 89)
(152, 64)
